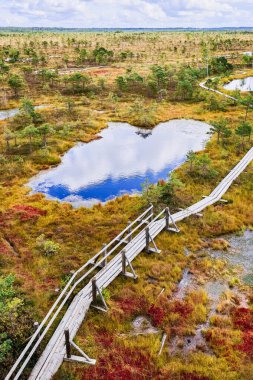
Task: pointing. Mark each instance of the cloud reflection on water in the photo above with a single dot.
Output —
(120, 161)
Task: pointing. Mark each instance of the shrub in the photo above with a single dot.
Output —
(15, 322)
(48, 247)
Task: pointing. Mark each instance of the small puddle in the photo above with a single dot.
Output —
(141, 326)
(244, 85)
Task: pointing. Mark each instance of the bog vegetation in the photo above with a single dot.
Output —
(141, 78)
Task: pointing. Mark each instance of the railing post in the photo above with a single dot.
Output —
(151, 212)
(104, 262)
(167, 217)
(36, 326)
(129, 232)
(124, 262)
(147, 239)
(67, 342)
(94, 290)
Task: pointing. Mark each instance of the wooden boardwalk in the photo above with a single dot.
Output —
(203, 85)
(114, 258)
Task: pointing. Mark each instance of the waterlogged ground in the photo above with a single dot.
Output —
(239, 255)
(220, 293)
(244, 85)
(120, 161)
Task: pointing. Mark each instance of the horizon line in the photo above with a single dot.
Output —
(127, 28)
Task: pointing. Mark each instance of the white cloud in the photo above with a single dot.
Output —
(126, 13)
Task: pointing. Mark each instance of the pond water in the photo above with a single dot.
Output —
(6, 114)
(120, 161)
(244, 85)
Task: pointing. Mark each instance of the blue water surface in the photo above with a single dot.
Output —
(120, 162)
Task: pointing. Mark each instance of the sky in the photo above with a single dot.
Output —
(126, 13)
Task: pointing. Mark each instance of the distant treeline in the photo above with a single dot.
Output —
(14, 29)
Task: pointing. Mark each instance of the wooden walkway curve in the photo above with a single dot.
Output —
(204, 86)
(113, 258)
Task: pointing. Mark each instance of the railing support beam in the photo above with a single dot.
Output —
(126, 262)
(73, 358)
(149, 240)
(95, 292)
(169, 220)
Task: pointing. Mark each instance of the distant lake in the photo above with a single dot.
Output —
(120, 161)
(245, 84)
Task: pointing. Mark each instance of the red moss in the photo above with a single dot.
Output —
(104, 338)
(216, 337)
(27, 212)
(157, 314)
(122, 363)
(2, 221)
(131, 304)
(192, 376)
(247, 344)
(243, 319)
(4, 248)
(183, 308)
